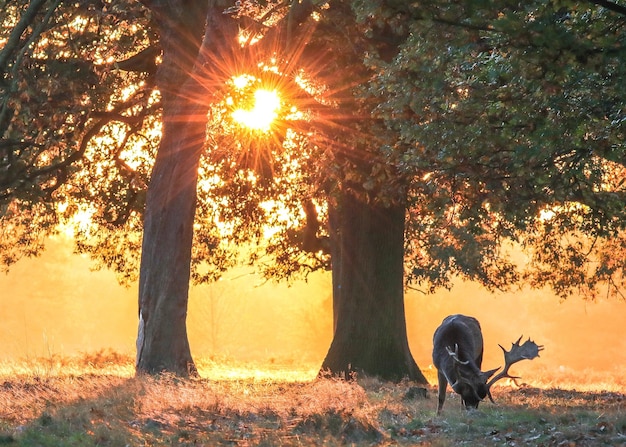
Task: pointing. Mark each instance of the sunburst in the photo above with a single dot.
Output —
(262, 113)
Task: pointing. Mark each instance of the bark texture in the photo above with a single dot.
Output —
(192, 65)
(368, 293)
(162, 342)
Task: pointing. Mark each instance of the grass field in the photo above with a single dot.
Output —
(95, 400)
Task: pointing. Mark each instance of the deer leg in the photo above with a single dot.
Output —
(443, 385)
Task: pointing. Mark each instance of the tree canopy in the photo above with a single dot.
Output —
(72, 106)
(509, 118)
(493, 114)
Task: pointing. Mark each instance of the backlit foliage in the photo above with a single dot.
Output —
(499, 113)
(254, 179)
(481, 117)
(69, 114)
(98, 62)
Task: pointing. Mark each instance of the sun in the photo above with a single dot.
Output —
(264, 110)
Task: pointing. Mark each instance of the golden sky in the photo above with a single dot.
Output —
(56, 305)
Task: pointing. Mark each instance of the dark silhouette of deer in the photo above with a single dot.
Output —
(458, 355)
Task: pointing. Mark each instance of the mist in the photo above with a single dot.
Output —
(56, 305)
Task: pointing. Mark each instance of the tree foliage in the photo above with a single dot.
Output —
(510, 121)
(502, 123)
(73, 105)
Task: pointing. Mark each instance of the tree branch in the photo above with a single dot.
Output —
(5, 111)
(142, 62)
(611, 6)
(14, 39)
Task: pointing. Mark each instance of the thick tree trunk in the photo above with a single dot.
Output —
(368, 293)
(162, 343)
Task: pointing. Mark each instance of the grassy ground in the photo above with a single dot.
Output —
(96, 401)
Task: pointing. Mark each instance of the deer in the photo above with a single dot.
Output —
(458, 355)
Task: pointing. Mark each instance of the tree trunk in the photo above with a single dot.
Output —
(162, 343)
(368, 293)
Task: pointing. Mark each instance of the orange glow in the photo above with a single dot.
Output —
(247, 38)
(263, 112)
(244, 327)
(242, 81)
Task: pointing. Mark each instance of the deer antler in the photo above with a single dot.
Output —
(457, 361)
(528, 351)
(455, 354)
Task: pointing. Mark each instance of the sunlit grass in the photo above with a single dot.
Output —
(278, 371)
(107, 362)
(613, 379)
(115, 364)
(96, 400)
(103, 362)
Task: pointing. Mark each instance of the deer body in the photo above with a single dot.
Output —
(458, 355)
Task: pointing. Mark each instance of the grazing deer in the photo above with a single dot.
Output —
(458, 354)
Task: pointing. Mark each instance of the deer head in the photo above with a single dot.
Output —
(457, 355)
(471, 382)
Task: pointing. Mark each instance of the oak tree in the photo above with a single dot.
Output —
(435, 135)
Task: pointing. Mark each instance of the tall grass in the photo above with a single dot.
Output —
(95, 400)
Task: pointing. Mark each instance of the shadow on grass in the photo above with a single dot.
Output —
(101, 410)
(67, 411)
(113, 411)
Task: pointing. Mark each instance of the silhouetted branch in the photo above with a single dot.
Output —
(611, 6)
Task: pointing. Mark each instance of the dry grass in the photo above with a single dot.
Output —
(96, 400)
